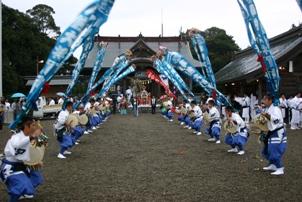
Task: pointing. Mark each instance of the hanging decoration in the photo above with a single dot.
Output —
(259, 42)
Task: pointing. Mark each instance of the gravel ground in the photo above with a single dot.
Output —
(149, 159)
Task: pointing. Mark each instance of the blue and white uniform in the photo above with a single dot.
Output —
(238, 139)
(196, 125)
(18, 178)
(276, 140)
(63, 137)
(215, 125)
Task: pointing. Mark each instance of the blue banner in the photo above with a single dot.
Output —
(160, 67)
(300, 4)
(87, 47)
(116, 65)
(200, 47)
(111, 78)
(260, 43)
(89, 20)
(183, 65)
(114, 80)
(98, 64)
(177, 77)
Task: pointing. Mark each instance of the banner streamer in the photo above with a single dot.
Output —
(201, 50)
(300, 4)
(260, 43)
(115, 71)
(182, 64)
(155, 77)
(87, 47)
(98, 64)
(159, 66)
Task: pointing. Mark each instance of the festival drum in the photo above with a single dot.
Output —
(206, 118)
(83, 119)
(230, 127)
(259, 124)
(36, 152)
(72, 120)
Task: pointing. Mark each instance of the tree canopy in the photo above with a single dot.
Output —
(222, 47)
(41, 15)
(24, 43)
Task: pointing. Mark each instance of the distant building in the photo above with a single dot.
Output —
(143, 48)
(244, 75)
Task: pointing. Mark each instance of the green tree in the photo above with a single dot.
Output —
(42, 16)
(222, 47)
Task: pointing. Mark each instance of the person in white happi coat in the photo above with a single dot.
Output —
(275, 141)
(21, 181)
(246, 103)
(197, 119)
(283, 105)
(254, 103)
(63, 137)
(129, 94)
(294, 104)
(215, 124)
(238, 139)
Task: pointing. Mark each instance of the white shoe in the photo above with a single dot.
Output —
(86, 133)
(190, 128)
(182, 123)
(76, 143)
(67, 153)
(279, 171)
(61, 156)
(241, 152)
(218, 142)
(271, 167)
(211, 140)
(199, 133)
(194, 131)
(186, 126)
(93, 128)
(90, 131)
(233, 150)
(171, 120)
(26, 197)
(292, 128)
(97, 127)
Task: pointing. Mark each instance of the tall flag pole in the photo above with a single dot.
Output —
(260, 43)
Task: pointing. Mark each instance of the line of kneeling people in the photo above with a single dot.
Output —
(71, 125)
(192, 116)
(20, 173)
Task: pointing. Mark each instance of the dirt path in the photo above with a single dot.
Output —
(149, 159)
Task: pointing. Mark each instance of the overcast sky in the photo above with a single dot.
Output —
(130, 17)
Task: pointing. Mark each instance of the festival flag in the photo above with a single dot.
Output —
(89, 21)
(183, 65)
(160, 67)
(201, 50)
(300, 4)
(155, 77)
(260, 43)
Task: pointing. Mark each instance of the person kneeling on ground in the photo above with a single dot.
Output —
(238, 139)
(215, 125)
(20, 181)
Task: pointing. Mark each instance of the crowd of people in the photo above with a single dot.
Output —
(208, 118)
(71, 124)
